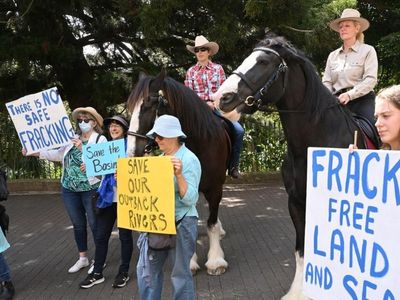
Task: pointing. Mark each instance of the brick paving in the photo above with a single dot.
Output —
(258, 247)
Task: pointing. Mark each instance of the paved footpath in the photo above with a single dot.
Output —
(258, 247)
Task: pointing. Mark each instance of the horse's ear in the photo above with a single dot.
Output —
(163, 72)
(142, 75)
(158, 81)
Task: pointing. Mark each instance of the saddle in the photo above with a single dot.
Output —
(369, 131)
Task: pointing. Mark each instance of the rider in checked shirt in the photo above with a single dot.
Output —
(205, 78)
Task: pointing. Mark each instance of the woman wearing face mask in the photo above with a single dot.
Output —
(77, 188)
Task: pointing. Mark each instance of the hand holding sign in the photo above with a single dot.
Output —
(177, 165)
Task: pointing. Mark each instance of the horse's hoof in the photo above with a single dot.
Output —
(194, 268)
(216, 272)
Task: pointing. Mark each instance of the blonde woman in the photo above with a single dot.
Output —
(351, 71)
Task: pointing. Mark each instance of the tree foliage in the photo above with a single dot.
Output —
(93, 50)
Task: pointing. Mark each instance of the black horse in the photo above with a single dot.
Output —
(206, 137)
(275, 72)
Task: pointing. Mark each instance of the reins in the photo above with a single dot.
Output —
(271, 110)
(256, 98)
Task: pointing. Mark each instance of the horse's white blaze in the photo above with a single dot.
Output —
(231, 83)
(296, 289)
(216, 263)
(133, 126)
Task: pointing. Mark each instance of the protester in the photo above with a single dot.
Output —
(117, 127)
(77, 188)
(168, 134)
(351, 71)
(205, 78)
(7, 290)
(387, 115)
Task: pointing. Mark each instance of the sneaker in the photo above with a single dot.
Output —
(91, 269)
(91, 280)
(121, 280)
(7, 290)
(234, 173)
(81, 263)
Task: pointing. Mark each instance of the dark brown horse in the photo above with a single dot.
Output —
(206, 137)
(277, 73)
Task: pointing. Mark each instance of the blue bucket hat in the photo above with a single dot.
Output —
(167, 126)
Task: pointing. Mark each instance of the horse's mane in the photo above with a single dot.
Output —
(317, 97)
(141, 91)
(194, 114)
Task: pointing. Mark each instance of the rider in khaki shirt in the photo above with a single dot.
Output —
(356, 69)
(351, 71)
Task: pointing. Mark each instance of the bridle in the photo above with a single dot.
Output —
(256, 98)
(162, 102)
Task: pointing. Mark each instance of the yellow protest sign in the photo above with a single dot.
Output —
(146, 198)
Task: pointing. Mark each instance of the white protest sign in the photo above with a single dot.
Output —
(352, 240)
(101, 158)
(41, 121)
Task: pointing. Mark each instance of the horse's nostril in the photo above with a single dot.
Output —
(226, 97)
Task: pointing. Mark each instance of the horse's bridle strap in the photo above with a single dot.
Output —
(256, 98)
(244, 78)
(137, 134)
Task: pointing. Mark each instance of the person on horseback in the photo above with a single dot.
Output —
(205, 78)
(351, 71)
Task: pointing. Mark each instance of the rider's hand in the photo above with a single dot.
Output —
(344, 98)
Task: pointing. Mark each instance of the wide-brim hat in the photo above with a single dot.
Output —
(350, 14)
(201, 41)
(119, 119)
(88, 110)
(167, 126)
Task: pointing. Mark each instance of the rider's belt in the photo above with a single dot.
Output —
(337, 93)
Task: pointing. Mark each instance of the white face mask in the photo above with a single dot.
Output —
(85, 127)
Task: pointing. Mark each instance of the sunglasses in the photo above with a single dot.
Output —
(84, 120)
(202, 49)
(156, 136)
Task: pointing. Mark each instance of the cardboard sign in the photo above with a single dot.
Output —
(101, 158)
(352, 242)
(146, 194)
(41, 121)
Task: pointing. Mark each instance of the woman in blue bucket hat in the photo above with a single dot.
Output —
(168, 134)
